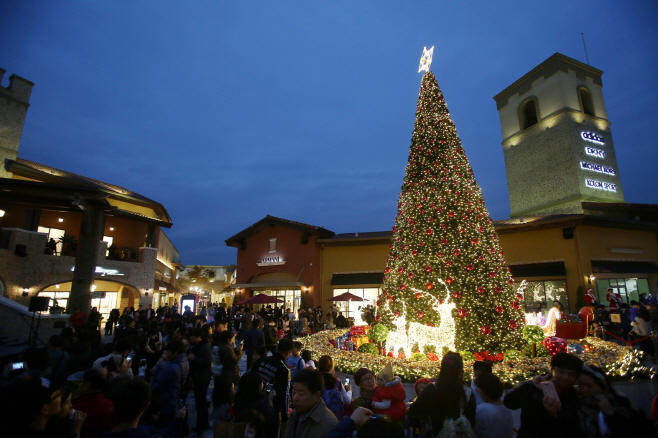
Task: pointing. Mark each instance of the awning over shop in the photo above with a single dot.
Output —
(168, 286)
(552, 269)
(373, 278)
(600, 267)
(271, 285)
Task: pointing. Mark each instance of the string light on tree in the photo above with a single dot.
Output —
(443, 235)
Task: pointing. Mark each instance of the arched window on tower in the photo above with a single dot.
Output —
(586, 102)
(528, 114)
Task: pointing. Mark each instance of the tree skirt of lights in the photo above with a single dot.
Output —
(619, 362)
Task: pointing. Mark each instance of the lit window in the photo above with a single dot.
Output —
(273, 244)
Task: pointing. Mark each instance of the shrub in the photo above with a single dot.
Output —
(368, 349)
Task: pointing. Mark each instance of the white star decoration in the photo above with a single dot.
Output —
(426, 59)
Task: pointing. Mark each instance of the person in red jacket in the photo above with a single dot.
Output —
(590, 298)
(614, 299)
(99, 410)
(77, 318)
(389, 395)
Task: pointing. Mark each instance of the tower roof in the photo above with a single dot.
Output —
(557, 62)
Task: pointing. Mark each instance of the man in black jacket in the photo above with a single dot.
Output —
(270, 332)
(543, 416)
(276, 374)
(253, 339)
(200, 358)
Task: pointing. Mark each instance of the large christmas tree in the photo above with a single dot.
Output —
(446, 283)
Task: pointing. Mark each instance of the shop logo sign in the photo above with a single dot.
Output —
(595, 152)
(597, 168)
(590, 136)
(601, 185)
(271, 259)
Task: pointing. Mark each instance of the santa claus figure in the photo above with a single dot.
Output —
(590, 298)
(614, 299)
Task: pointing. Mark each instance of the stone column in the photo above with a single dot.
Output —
(91, 234)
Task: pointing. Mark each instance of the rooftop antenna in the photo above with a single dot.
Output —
(585, 46)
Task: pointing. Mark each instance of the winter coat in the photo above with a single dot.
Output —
(201, 365)
(167, 378)
(393, 391)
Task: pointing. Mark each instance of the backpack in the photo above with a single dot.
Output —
(334, 400)
(459, 428)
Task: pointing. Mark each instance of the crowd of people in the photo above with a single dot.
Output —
(141, 383)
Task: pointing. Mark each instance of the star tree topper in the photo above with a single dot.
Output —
(426, 59)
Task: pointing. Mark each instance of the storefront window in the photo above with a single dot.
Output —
(104, 305)
(291, 298)
(352, 308)
(544, 292)
(629, 289)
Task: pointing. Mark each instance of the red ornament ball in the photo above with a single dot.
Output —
(449, 280)
(414, 252)
(428, 231)
(499, 309)
(429, 324)
(402, 286)
(516, 305)
(519, 297)
(400, 270)
(457, 295)
(469, 267)
(429, 286)
(485, 329)
(411, 275)
(444, 241)
(428, 268)
(418, 295)
(480, 258)
(421, 314)
(498, 289)
(387, 270)
(481, 289)
(396, 314)
(451, 214)
(475, 241)
(378, 317)
(439, 254)
(456, 252)
(390, 298)
(462, 312)
(448, 262)
(492, 274)
(512, 324)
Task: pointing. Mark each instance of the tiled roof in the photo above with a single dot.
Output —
(67, 177)
(367, 234)
(73, 177)
(269, 220)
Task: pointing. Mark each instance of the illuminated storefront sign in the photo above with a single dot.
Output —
(271, 261)
(590, 136)
(100, 271)
(597, 168)
(595, 152)
(601, 185)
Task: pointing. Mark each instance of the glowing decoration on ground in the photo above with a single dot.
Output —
(555, 345)
(426, 59)
(424, 335)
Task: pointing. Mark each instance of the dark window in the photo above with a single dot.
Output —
(586, 103)
(529, 114)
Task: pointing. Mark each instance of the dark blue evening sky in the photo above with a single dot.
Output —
(228, 111)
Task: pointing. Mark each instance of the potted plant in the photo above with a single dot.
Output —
(69, 243)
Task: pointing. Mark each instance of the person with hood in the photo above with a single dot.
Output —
(168, 377)
(389, 395)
